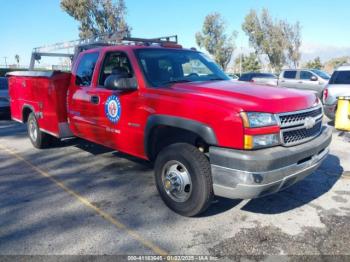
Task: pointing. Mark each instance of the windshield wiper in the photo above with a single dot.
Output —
(179, 81)
(187, 80)
(216, 79)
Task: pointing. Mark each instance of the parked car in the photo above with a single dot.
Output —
(259, 78)
(206, 135)
(305, 79)
(4, 95)
(232, 76)
(339, 85)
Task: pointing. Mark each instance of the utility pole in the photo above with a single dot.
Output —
(240, 61)
(5, 58)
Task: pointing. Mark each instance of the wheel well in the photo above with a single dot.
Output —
(25, 114)
(162, 136)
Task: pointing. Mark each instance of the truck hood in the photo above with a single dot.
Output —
(250, 97)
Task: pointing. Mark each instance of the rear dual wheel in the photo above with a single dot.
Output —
(183, 179)
(38, 138)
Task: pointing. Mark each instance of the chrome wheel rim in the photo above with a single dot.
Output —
(33, 130)
(176, 181)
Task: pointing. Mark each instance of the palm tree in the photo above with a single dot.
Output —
(17, 59)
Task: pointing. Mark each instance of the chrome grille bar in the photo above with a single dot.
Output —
(295, 129)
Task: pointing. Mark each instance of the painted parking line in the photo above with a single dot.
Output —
(156, 249)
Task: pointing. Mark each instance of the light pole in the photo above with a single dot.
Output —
(241, 58)
(240, 61)
(5, 58)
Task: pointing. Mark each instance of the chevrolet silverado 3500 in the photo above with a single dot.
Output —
(207, 135)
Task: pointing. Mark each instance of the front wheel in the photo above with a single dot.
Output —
(183, 179)
(38, 138)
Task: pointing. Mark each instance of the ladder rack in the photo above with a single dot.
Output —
(100, 40)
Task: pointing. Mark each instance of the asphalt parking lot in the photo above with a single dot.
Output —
(82, 199)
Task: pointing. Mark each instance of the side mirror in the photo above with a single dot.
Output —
(313, 78)
(120, 82)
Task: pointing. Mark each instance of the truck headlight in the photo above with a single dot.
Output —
(260, 141)
(254, 119)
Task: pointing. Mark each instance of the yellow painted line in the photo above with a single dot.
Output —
(156, 249)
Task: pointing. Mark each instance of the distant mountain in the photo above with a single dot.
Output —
(311, 51)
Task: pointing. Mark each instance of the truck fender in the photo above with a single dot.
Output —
(201, 129)
(26, 108)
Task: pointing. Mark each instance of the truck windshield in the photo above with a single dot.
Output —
(340, 78)
(321, 74)
(163, 67)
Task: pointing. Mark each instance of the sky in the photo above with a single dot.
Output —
(26, 24)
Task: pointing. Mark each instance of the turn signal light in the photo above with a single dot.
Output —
(260, 141)
(248, 142)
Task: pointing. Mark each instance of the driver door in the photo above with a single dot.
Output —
(305, 81)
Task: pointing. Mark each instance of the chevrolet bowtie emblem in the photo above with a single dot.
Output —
(309, 122)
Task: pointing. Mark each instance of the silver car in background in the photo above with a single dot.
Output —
(305, 79)
(259, 78)
(339, 85)
(4, 95)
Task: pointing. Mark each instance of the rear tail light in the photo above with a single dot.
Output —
(325, 94)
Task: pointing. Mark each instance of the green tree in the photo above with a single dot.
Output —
(17, 59)
(98, 17)
(314, 64)
(293, 42)
(333, 63)
(250, 63)
(276, 39)
(215, 40)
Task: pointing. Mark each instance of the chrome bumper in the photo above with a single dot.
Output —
(260, 171)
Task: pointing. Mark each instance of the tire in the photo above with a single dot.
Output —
(5, 113)
(38, 138)
(197, 192)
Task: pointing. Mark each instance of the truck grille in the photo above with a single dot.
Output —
(301, 134)
(301, 126)
(299, 118)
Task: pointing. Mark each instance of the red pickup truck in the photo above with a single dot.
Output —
(206, 134)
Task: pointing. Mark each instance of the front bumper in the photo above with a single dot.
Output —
(245, 174)
(329, 110)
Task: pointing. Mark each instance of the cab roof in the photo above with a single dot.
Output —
(345, 67)
(135, 47)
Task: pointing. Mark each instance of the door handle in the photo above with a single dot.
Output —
(94, 100)
(300, 82)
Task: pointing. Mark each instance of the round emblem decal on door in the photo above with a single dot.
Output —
(113, 109)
